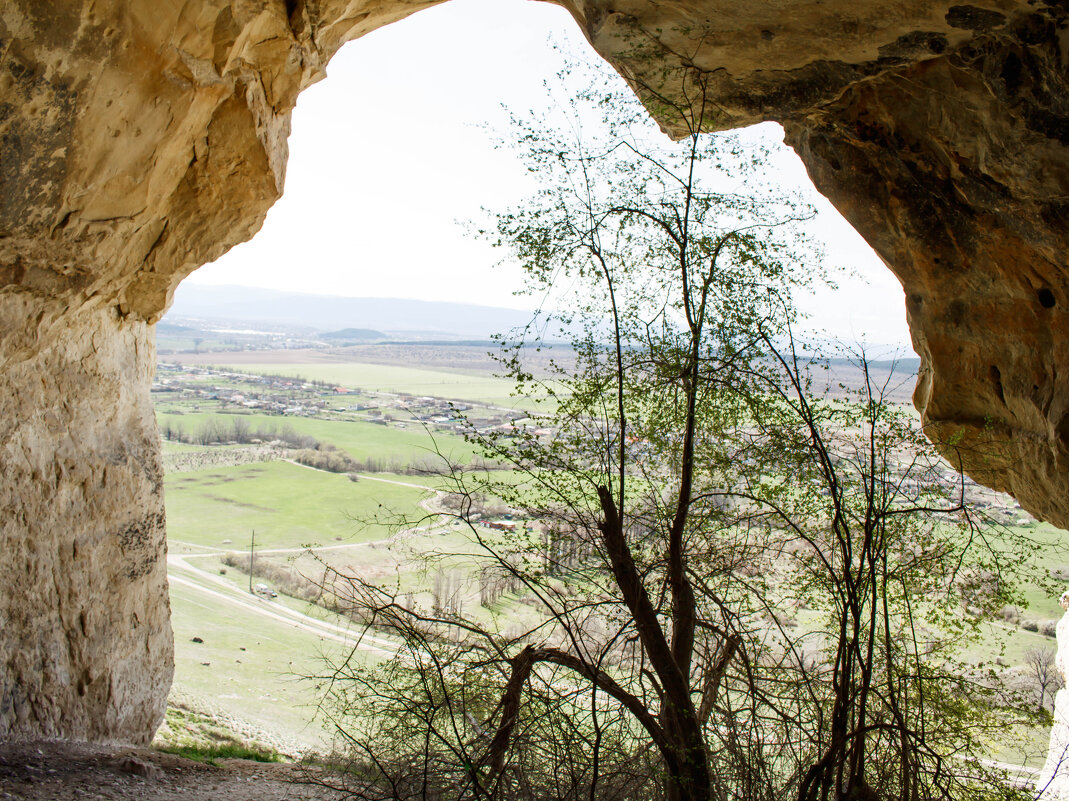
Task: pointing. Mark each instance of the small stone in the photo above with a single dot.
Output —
(138, 767)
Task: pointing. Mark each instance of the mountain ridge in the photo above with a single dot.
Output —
(332, 312)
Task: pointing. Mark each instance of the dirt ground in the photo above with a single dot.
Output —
(50, 771)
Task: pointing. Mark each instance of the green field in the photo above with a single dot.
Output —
(361, 440)
(289, 506)
(248, 667)
(476, 387)
(167, 446)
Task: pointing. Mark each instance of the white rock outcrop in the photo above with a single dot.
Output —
(1053, 783)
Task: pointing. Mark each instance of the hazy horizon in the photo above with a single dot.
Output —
(396, 148)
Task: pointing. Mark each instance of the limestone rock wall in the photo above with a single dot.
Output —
(85, 639)
(956, 170)
(140, 139)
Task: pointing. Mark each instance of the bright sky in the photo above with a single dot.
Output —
(394, 150)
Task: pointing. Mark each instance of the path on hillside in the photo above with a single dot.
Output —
(181, 571)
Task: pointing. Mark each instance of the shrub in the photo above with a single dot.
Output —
(208, 754)
(285, 578)
(326, 457)
(1029, 625)
(1011, 614)
(1050, 628)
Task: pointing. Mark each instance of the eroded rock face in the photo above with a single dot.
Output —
(85, 639)
(140, 139)
(956, 171)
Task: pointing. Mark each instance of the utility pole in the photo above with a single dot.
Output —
(252, 558)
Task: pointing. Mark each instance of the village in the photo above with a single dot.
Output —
(182, 389)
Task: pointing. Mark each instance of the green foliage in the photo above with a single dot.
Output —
(212, 753)
(326, 457)
(202, 738)
(375, 447)
(746, 589)
(211, 506)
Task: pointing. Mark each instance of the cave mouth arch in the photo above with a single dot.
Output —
(323, 230)
(140, 141)
(399, 224)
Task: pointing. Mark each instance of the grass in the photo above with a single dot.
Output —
(178, 447)
(248, 668)
(289, 506)
(203, 737)
(210, 753)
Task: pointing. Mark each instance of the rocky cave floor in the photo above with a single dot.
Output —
(57, 771)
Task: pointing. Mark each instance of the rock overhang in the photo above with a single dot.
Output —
(139, 140)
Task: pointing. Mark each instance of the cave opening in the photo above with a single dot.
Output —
(140, 140)
(386, 156)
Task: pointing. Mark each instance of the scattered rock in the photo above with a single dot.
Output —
(138, 767)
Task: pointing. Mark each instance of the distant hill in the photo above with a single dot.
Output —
(411, 319)
(174, 330)
(353, 335)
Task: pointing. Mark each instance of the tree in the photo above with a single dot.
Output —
(902, 572)
(1042, 670)
(692, 497)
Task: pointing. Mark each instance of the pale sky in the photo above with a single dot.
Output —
(394, 150)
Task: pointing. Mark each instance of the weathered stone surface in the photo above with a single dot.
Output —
(141, 139)
(85, 636)
(956, 171)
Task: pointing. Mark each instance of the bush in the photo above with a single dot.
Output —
(326, 457)
(1050, 628)
(208, 754)
(1029, 625)
(1011, 614)
(285, 578)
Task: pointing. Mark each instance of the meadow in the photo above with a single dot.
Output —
(249, 671)
(458, 385)
(291, 506)
(288, 506)
(360, 439)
